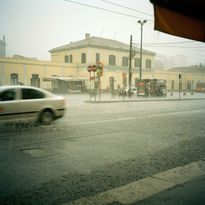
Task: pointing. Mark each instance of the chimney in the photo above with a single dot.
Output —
(87, 36)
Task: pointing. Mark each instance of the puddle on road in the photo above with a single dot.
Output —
(35, 152)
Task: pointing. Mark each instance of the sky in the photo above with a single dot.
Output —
(33, 27)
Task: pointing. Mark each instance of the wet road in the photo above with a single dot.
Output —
(97, 147)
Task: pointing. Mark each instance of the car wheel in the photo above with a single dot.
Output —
(46, 118)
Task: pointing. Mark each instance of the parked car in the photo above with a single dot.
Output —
(26, 103)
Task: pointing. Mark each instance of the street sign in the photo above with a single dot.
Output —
(92, 68)
(124, 75)
(100, 69)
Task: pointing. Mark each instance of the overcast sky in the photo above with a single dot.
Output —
(33, 27)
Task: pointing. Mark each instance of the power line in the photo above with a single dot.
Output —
(188, 52)
(158, 46)
(163, 43)
(109, 2)
(111, 11)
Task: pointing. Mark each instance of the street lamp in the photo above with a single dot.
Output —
(141, 23)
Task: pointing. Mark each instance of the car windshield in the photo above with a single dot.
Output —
(102, 102)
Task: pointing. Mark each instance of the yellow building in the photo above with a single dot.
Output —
(67, 69)
(15, 71)
(113, 54)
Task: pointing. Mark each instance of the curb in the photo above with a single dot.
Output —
(151, 100)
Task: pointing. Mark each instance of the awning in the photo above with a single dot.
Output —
(67, 79)
(181, 18)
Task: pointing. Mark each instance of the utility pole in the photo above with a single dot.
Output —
(130, 66)
(141, 24)
(180, 76)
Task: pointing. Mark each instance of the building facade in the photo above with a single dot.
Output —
(32, 72)
(67, 69)
(113, 54)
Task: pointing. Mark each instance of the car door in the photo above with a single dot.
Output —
(32, 101)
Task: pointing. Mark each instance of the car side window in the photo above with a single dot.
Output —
(28, 93)
(8, 95)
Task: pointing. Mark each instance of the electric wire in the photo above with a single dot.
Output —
(111, 11)
(122, 6)
(165, 43)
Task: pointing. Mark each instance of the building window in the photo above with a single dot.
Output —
(124, 61)
(172, 84)
(66, 59)
(188, 85)
(148, 63)
(14, 78)
(137, 62)
(83, 58)
(35, 80)
(97, 58)
(70, 58)
(112, 60)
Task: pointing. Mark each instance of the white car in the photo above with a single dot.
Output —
(26, 103)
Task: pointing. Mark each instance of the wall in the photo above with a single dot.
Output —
(25, 69)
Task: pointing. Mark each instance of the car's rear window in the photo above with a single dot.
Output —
(28, 93)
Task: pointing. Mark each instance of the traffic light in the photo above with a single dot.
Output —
(100, 69)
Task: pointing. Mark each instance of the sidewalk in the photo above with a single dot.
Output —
(174, 96)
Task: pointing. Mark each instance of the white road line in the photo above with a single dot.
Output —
(144, 188)
(174, 113)
(141, 117)
(100, 121)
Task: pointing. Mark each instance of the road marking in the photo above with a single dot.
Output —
(146, 187)
(141, 117)
(100, 121)
(174, 113)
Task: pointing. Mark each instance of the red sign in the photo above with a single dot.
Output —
(141, 88)
(92, 68)
(141, 84)
(124, 75)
